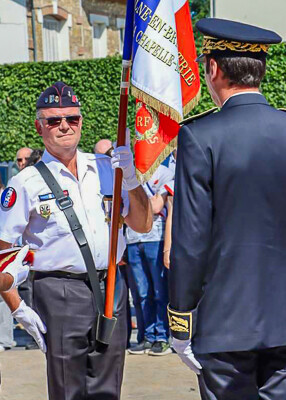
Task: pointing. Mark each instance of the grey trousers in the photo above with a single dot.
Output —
(78, 368)
(244, 375)
(26, 290)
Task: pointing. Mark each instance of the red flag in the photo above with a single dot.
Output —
(165, 92)
(9, 255)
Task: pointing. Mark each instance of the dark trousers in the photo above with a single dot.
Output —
(78, 368)
(123, 270)
(244, 375)
(26, 290)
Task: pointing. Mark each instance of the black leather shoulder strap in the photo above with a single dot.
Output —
(65, 204)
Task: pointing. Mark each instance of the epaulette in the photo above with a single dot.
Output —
(198, 116)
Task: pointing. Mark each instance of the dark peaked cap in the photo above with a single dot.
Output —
(59, 95)
(224, 37)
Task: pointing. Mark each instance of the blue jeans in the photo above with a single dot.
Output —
(151, 297)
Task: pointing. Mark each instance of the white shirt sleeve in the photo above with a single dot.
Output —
(14, 217)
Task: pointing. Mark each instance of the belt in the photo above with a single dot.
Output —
(102, 274)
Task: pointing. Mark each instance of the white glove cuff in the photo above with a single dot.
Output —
(19, 312)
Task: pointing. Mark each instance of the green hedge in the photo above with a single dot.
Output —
(96, 83)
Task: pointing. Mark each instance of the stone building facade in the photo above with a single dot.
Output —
(66, 29)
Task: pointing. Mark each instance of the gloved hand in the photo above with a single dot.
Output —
(184, 350)
(122, 157)
(17, 269)
(32, 323)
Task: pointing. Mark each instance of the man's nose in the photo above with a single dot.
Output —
(64, 125)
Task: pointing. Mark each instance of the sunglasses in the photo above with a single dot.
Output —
(22, 159)
(56, 121)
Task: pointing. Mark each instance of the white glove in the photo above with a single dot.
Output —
(17, 269)
(32, 323)
(184, 350)
(122, 157)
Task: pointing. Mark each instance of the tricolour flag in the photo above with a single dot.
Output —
(165, 78)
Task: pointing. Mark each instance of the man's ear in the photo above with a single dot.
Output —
(213, 69)
(38, 127)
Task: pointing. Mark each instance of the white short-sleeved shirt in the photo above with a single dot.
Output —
(155, 185)
(51, 237)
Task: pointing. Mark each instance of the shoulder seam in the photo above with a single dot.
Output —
(198, 145)
(27, 177)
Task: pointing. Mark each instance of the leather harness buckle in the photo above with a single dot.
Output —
(64, 202)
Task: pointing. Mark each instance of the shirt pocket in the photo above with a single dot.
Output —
(51, 220)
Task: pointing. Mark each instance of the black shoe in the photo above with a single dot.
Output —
(160, 349)
(141, 348)
(31, 346)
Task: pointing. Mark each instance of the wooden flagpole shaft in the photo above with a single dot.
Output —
(116, 203)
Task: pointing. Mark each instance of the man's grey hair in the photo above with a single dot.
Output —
(39, 115)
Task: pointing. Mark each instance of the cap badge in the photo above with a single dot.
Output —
(210, 44)
(51, 98)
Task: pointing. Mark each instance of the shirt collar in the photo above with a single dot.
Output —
(83, 163)
(54, 164)
(241, 93)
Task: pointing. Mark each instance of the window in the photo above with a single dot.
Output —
(51, 29)
(120, 23)
(100, 23)
(99, 40)
(55, 39)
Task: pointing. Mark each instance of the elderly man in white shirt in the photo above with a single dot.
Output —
(77, 366)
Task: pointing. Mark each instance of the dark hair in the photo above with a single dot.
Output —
(241, 71)
(35, 156)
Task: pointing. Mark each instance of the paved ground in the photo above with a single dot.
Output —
(146, 377)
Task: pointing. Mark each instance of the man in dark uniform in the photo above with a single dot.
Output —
(229, 226)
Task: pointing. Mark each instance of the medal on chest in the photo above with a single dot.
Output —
(45, 210)
(107, 207)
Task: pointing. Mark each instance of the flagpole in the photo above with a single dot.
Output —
(121, 137)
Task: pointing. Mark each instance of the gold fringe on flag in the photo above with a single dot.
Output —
(193, 103)
(8, 258)
(156, 104)
(142, 178)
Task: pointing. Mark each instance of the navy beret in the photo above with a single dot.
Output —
(59, 95)
(224, 37)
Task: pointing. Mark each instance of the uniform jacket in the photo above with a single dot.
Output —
(228, 259)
